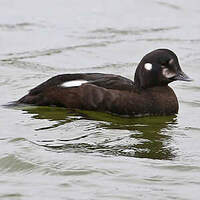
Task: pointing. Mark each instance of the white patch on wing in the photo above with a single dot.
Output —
(148, 66)
(74, 83)
(167, 73)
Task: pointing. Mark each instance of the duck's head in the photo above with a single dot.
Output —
(159, 68)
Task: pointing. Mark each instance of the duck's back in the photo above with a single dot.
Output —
(109, 81)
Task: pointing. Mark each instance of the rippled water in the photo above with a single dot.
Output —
(54, 153)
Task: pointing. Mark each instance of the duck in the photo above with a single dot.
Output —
(148, 94)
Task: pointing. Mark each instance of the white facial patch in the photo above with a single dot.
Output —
(148, 66)
(171, 61)
(74, 83)
(167, 73)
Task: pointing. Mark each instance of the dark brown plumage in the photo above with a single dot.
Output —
(148, 94)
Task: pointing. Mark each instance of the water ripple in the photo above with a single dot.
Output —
(48, 52)
(133, 31)
(133, 137)
(19, 27)
(11, 196)
(169, 5)
(11, 163)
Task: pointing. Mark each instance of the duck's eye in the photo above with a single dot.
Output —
(167, 63)
(148, 66)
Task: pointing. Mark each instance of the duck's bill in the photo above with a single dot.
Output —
(181, 76)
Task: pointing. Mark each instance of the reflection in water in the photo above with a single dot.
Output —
(148, 136)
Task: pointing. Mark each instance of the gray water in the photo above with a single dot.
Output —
(54, 153)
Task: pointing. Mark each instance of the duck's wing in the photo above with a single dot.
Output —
(108, 81)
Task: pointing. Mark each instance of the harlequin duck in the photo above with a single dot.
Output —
(149, 94)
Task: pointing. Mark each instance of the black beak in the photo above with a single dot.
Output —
(181, 76)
